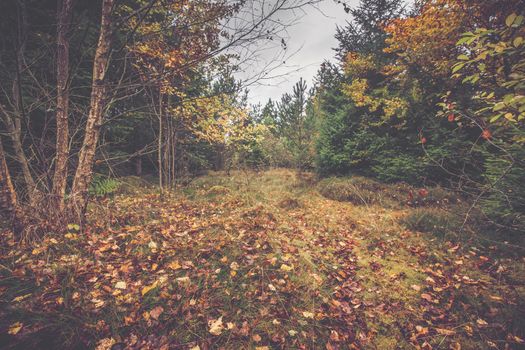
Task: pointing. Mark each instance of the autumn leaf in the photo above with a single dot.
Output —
(15, 328)
(174, 265)
(156, 312)
(215, 326)
(445, 331)
(146, 289)
(120, 285)
(287, 268)
(307, 314)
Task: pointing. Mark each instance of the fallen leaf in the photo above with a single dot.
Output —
(120, 285)
(15, 328)
(426, 296)
(174, 265)
(285, 267)
(307, 314)
(146, 289)
(481, 322)
(22, 297)
(216, 326)
(256, 338)
(443, 331)
(156, 312)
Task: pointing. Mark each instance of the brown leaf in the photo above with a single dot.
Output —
(156, 312)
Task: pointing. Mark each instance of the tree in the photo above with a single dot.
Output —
(99, 88)
(65, 10)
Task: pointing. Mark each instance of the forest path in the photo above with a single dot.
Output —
(254, 261)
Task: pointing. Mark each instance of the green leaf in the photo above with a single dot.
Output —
(517, 41)
(496, 117)
(457, 67)
(463, 57)
(510, 19)
(498, 106)
(463, 40)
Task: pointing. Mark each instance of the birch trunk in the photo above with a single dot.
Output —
(79, 193)
(64, 10)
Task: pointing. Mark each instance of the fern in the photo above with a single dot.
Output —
(102, 186)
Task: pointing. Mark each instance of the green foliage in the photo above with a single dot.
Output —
(102, 186)
(495, 65)
(505, 201)
(392, 167)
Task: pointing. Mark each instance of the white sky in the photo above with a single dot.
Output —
(311, 41)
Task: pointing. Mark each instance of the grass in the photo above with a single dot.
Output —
(285, 263)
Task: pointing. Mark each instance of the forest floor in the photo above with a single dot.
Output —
(256, 261)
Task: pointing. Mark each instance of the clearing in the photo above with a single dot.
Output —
(257, 261)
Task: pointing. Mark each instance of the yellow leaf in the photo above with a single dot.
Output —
(146, 289)
(174, 265)
(22, 297)
(15, 328)
(120, 285)
(443, 331)
(285, 267)
(307, 314)
(216, 326)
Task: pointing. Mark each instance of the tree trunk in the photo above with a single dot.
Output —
(14, 129)
(160, 144)
(138, 166)
(99, 90)
(64, 10)
(8, 200)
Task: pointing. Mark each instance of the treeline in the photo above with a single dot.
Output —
(426, 94)
(98, 89)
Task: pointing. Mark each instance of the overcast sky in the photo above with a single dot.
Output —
(311, 41)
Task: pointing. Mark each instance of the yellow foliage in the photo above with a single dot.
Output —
(390, 107)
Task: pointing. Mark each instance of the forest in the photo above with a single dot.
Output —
(146, 202)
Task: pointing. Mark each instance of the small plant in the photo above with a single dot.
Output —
(102, 186)
(432, 220)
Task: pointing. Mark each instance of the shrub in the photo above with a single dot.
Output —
(400, 167)
(505, 201)
(432, 220)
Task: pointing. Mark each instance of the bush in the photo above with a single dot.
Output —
(432, 220)
(400, 167)
(505, 202)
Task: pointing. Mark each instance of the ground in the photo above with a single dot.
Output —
(255, 261)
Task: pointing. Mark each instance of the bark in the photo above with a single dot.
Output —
(8, 200)
(138, 166)
(14, 129)
(64, 11)
(160, 144)
(79, 193)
